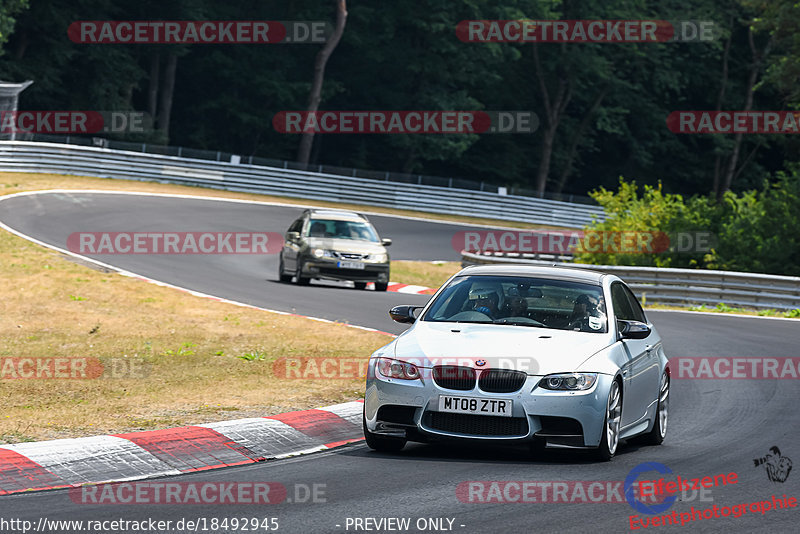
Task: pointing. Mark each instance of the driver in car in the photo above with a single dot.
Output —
(516, 305)
(485, 301)
(585, 315)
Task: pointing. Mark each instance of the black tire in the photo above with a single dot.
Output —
(382, 443)
(301, 281)
(659, 432)
(381, 286)
(360, 285)
(609, 445)
(281, 275)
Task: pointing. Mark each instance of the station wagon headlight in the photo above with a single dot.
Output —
(569, 381)
(380, 258)
(397, 369)
(322, 253)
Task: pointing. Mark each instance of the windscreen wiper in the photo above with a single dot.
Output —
(517, 323)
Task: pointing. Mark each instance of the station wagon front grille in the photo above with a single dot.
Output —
(352, 256)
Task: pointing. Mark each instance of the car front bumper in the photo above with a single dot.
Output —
(328, 270)
(410, 409)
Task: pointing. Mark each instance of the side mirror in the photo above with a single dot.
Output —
(632, 329)
(386, 242)
(292, 236)
(403, 314)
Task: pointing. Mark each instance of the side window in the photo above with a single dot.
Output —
(296, 226)
(638, 312)
(622, 306)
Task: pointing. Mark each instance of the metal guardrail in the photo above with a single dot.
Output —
(683, 286)
(219, 155)
(23, 156)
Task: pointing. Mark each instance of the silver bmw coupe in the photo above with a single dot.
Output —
(553, 357)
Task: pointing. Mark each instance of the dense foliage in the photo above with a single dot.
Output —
(755, 231)
(405, 55)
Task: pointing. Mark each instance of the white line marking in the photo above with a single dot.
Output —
(262, 202)
(131, 274)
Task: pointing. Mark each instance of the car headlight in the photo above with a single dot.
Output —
(380, 258)
(397, 369)
(320, 253)
(569, 381)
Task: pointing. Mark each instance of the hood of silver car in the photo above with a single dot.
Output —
(537, 351)
(346, 245)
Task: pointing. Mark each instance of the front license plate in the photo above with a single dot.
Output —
(501, 407)
(350, 265)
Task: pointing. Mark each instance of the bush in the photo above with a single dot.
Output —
(756, 231)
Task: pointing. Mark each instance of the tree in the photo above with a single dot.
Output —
(8, 10)
(314, 97)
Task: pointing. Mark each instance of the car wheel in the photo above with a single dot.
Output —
(381, 286)
(282, 276)
(381, 443)
(360, 285)
(301, 281)
(659, 432)
(610, 440)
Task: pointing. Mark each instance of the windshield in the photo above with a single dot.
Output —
(521, 301)
(342, 230)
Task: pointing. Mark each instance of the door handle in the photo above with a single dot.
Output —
(648, 348)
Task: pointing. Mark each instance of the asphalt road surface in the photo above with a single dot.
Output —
(715, 426)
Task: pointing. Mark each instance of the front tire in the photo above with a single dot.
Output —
(301, 281)
(381, 443)
(381, 286)
(659, 432)
(282, 276)
(611, 424)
